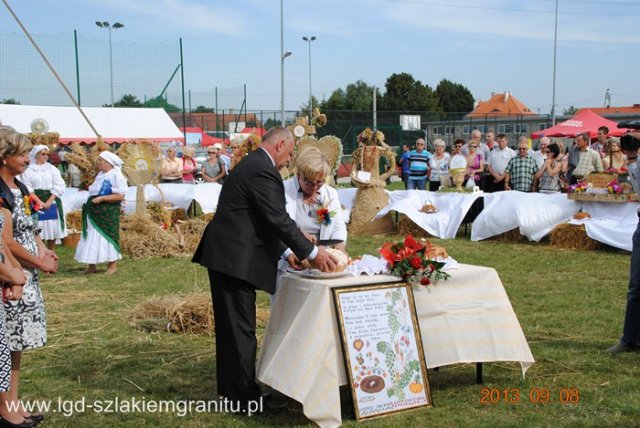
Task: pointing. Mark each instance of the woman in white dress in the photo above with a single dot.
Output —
(48, 185)
(100, 240)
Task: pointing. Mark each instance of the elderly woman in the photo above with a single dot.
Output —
(100, 240)
(189, 165)
(438, 164)
(613, 152)
(213, 170)
(48, 185)
(13, 279)
(171, 169)
(25, 318)
(314, 206)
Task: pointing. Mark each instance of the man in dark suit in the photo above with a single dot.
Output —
(241, 246)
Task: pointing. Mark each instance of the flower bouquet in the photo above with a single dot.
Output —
(407, 260)
(614, 188)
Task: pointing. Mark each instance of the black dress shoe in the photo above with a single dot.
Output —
(621, 347)
(269, 407)
(37, 418)
(26, 423)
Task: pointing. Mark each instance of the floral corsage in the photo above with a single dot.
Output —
(32, 205)
(323, 215)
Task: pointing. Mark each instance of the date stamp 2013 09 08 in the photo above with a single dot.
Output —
(565, 395)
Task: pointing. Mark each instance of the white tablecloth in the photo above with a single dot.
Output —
(179, 195)
(535, 214)
(466, 319)
(611, 223)
(452, 207)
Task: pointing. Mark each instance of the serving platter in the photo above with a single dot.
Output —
(316, 274)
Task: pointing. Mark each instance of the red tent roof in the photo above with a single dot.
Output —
(194, 133)
(584, 121)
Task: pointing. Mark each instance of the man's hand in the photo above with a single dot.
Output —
(324, 261)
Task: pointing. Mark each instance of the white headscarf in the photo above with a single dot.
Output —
(113, 159)
(34, 152)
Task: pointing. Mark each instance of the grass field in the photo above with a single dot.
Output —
(570, 305)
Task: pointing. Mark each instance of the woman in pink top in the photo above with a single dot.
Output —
(189, 165)
(475, 162)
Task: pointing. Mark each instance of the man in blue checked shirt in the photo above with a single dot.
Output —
(419, 166)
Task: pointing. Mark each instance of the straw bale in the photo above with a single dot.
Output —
(512, 235)
(190, 314)
(406, 226)
(74, 220)
(140, 237)
(572, 236)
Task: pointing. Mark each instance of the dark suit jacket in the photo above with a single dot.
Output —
(251, 228)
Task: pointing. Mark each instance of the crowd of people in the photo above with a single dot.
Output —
(493, 165)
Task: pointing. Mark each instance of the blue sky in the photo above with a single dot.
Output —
(486, 45)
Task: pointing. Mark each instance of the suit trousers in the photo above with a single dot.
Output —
(234, 313)
(631, 333)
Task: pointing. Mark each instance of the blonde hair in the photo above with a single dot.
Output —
(439, 143)
(312, 162)
(13, 143)
(188, 151)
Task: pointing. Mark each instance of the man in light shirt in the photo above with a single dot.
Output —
(498, 160)
(588, 159)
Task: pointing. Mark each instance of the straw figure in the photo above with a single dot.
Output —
(365, 175)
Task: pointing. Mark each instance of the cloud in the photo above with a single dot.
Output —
(184, 15)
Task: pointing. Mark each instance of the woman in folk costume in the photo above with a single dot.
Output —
(100, 241)
(48, 185)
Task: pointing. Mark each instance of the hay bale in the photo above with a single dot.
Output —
(141, 238)
(512, 235)
(574, 237)
(74, 220)
(406, 226)
(190, 314)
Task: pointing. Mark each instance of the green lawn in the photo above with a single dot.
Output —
(570, 305)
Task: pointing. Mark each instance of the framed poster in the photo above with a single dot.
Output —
(382, 347)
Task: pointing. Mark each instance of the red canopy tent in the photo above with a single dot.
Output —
(584, 121)
(196, 136)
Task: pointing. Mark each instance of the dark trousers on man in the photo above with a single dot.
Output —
(631, 332)
(234, 310)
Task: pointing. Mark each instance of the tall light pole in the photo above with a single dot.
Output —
(284, 56)
(105, 24)
(553, 96)
(309, 40)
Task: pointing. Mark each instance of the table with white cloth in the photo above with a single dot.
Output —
(534, 214)
(452, 208)
(467, 319)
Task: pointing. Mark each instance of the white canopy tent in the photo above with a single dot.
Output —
(115, 125)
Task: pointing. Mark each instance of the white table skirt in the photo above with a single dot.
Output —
(466, 319)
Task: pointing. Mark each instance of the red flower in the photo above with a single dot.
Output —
(410, 243)
(425, 281)
(431, 267)
(416, 263)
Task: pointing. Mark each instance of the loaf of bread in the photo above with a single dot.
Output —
(341, 257)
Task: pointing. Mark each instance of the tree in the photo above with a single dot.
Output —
(9, 101)
(404, 93)
(162, 103)
(128, 100)
(357, 96)
(203, 109)
(453, 97)
(569, 111)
